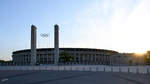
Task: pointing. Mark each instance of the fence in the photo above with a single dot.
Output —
(95, 68)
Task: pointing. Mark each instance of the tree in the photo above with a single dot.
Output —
(2, 61)
(65, 57)
(147, 57)
(130, 62)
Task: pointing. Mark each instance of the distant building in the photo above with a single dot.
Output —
(127, 59)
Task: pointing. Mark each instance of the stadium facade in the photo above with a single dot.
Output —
(80, 56)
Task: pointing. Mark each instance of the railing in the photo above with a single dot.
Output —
(95, 68)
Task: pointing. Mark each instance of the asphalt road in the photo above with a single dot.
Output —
(71, 77)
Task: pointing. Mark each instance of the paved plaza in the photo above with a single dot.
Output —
(71, 77)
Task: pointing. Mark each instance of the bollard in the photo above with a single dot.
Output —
(64, 68)
(119, 69)
(128, 70)
(137, 70)
(111, 69)
(147, 70)
(83, 68)
(71, 68)
(90, 69)
(96, 68)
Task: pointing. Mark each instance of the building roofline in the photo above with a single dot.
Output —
(25, 50)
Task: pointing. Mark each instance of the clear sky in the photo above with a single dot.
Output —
(121, 25)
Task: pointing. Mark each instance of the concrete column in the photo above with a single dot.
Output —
(75, 58)
(39, 59)
(33, 45)
(43, 60)
(95, 59)
(83, 62)
(23, 59)
(88, 58)
(56, 44)
(47, 59)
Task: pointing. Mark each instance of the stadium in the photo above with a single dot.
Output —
(80, 56)
(56, 55)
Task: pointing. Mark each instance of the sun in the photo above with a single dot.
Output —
(139, 54)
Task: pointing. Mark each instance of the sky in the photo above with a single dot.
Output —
(120, 25)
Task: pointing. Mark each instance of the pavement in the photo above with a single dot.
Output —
(71, 77)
